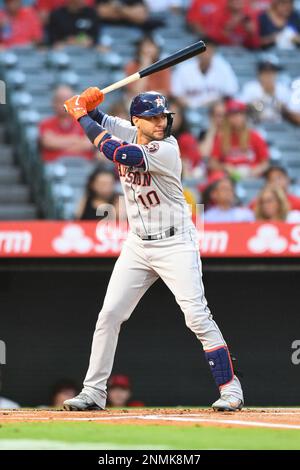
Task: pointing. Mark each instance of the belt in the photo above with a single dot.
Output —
(167, 233)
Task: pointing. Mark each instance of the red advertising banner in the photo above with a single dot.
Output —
(98, 239)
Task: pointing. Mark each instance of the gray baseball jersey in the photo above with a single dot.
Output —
(155, 201)
(154, 195)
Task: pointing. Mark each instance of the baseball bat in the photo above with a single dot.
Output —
(173, 59)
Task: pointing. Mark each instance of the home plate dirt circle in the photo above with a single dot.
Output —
(276, 418)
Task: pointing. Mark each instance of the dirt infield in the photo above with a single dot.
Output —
(281, 418)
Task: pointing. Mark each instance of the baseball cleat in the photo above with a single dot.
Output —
(81, 403)
(228, 403)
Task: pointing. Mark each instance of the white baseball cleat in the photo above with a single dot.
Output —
(81, 402)
(228, 403)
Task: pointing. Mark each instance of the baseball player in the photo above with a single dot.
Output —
(162, 240)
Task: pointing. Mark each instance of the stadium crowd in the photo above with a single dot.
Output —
(231, 147)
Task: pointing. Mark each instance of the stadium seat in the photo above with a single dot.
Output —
(58, 60)
(18, 211)
(8, 59)
(18, 193)
(15, 79)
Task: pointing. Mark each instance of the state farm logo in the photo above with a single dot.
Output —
(268, 238)
(71, 239)
(106, 238)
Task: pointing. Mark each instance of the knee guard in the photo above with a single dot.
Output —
(220, 364)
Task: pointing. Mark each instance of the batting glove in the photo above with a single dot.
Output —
(76, 107)
(93, 96)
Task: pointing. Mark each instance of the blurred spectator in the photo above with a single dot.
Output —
(201, 13)
(258, 6)
(61, 135)
(126, 12)
(223, 200)
(216, 119)
(278, 176)
(101, 194)
(44, 7)
(272, 204)
(188, 144)
(5, 403)
(238, 149)
(266, 95)
(75, 23)
(204, 79)
(234, 24)
(164, 6)
(280, 25)
(19, 25)
(119, 392)
(147, 52)
(63, 390)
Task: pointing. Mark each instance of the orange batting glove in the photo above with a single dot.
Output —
(76, 107)
(93, 96)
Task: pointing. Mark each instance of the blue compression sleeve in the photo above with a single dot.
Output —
(90, 127)
(97, 115)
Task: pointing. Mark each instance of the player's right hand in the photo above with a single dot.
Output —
(92, 96)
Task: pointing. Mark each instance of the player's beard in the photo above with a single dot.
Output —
(155, 136)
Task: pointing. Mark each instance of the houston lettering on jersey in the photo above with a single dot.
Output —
(134, 177)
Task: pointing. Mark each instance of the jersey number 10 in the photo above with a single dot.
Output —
(152, 199)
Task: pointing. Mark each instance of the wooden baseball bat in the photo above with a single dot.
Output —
(173, 59)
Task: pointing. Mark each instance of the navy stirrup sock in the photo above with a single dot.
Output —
(220, 365)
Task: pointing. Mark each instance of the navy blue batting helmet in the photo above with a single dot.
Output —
(151, 103)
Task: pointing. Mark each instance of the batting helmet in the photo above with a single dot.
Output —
(151, 103)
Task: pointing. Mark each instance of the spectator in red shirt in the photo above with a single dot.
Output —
(201, 13)
(19, 26)
(61, 135)
(278, 176)
(235, 25)
(238, 149)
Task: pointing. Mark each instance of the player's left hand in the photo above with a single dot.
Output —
(76, 107)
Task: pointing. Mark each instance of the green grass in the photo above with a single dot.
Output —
(170, 437)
